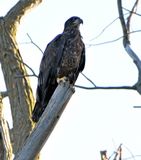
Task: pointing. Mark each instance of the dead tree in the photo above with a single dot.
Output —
(20, 94)
(19, 89)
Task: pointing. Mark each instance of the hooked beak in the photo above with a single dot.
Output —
(78, 21)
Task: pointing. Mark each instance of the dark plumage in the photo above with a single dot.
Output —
(64, 56)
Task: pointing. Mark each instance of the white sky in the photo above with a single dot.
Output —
(94, 120)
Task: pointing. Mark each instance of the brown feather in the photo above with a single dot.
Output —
(63, 57)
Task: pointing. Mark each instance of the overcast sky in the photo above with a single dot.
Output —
(94, 120)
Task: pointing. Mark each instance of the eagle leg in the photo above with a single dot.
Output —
(62, 79)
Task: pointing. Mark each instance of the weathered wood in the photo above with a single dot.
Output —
(5, 137)
(15, 14)
(20, 92)
(46, 123)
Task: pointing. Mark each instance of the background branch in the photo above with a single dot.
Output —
(22, 76)
(15, 14)
(113, 87)
(131, 13)
(88, 79)
(125, 29)
(31, 41)
(103, 30)
(111, 41)
(126, 43)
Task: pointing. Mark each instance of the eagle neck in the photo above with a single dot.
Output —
(72, 31)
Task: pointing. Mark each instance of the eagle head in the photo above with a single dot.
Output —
(73, 22)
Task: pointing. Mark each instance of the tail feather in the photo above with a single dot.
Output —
(37, 112)
(42, 99)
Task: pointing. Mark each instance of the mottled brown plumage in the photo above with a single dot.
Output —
(64, 56)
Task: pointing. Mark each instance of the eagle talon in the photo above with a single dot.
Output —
(62, 79)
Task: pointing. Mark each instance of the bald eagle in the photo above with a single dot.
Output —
(63, 58)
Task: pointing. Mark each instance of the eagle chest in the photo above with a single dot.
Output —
(72, 54)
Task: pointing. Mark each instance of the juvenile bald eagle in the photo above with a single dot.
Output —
(64, 56)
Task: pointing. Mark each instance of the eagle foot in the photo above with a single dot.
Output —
(62, 79)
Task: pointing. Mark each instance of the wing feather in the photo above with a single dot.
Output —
(47, 75)
(50, 62)
(82, 60)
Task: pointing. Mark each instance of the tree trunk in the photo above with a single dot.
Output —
(19, 89)
(20, 93)
(5, 137)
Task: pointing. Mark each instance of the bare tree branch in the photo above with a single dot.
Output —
(15, 14)
(123, 24)
(88, 79)
(22, 76)
(131, 11)
(4, 94)
(103, 30)
(136, 106)
(46, 123)
(130, 15)
(103, 155)
(113, 87)
(118, 152)
(111, 41)
(31, 41)
(26, 75)
(5, 133)
(133, 156)
(103, 43)
(126, 44)
(106, 27)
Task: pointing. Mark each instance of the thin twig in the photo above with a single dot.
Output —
(33, 73)
(111, 41)
(102, 43)
(126, 42)
(88, 79)
(106, 27)
(27, 75)
(133, 157)
(131, 13)
(34, 43)
(103, 30)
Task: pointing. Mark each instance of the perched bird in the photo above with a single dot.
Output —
(63, 58)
